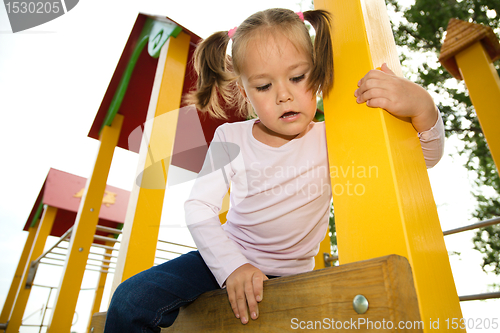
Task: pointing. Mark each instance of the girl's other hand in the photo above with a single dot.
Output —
(245, 286)
(399, 96)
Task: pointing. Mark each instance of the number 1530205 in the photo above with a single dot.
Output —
(472, 323)
(23, 7)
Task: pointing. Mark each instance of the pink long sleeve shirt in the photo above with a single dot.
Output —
(280, 199)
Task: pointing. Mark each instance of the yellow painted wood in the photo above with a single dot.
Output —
(101, 283)
(381, 191)
(84, 231)
(18, 275)
(225, 208)
(42, 232)
(324, 247)
(483, 84)
(142, 222)
(461, 35)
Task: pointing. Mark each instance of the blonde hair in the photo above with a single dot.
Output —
(219, 72)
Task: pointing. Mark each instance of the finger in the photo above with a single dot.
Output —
(258, 288)
(382, 103)
(384, 68)
(372, 74)
(365, 86)
(232, 300)
(251, 301)
(241, 302)
(368, 94)
(373, 81)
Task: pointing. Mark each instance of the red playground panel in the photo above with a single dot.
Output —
(64, 191)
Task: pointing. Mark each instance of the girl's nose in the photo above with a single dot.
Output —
(284, 95)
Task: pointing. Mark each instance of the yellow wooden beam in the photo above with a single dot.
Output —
(225, 208)
(460, 35)
(381, 191)
(142, 222)
(83, 231)
(42, 232)
(18, 275)
(468, 53)
(483, 84)
(101, 283)
(324, 247)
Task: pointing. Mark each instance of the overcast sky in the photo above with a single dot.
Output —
(52, 80)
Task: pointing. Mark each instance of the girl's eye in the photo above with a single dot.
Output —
(299, 78)
(264, 87)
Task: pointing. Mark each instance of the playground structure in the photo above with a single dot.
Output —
(58, 200)
(400, 211)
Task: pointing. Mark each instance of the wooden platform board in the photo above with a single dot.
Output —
(320, 300)
(97, 323)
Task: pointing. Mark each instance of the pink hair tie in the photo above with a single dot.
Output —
(301, 15)
(231, 32)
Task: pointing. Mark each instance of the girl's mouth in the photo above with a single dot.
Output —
(289, 114)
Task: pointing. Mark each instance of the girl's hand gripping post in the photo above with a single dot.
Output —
(399, 96)
(245, 287)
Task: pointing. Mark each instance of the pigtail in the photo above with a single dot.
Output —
(322, 73)
(215, 78)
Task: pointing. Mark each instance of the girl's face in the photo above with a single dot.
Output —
(274, 75)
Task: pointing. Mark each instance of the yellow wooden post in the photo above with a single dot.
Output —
(16, 281)
(101, 282)
(483, 84)
(224, 208)
(83, 231)
(381, 191)
(468, 52)
(42, 232)
(142, 222)
(324, 247)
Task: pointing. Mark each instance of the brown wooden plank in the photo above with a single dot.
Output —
(97, 323)
(317, 300)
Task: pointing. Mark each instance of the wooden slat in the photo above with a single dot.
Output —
(317, 298)
(97, 323)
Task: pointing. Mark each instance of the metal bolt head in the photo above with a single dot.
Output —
(91, 209)
(80, 249)
(360, 304)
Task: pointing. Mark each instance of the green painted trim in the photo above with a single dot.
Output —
(160, 33)
(123, 85)
(176, 32)
(150, 27)
(37, 214)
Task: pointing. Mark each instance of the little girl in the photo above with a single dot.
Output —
(275, 223)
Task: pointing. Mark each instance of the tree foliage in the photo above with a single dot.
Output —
(421, 31)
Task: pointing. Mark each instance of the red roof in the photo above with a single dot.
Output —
(63, 191)
(135, 103)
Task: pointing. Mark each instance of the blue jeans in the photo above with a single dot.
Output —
(151, 299)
